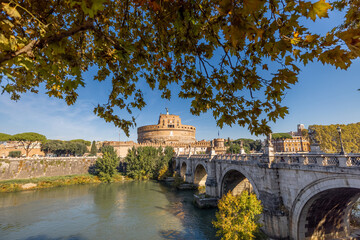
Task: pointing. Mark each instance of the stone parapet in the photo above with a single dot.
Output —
(23, 168)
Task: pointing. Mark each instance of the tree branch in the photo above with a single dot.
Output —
(40, 43)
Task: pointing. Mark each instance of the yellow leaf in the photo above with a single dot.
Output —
(12, 12)
(319, 9)
(296, 39)
(3, 40)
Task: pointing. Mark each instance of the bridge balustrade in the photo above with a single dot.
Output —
(355, 161)
(201, 156)
(319, 160)
(240, 157)
(310, 160)
(331, 160)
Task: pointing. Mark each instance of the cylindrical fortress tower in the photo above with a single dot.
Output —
(168, 130)
(219, 142)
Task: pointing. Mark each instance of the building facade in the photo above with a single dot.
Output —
(298, 143)
(13, 146)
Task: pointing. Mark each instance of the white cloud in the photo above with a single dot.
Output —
(53, 118)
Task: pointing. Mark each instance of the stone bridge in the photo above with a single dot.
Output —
(305, 196)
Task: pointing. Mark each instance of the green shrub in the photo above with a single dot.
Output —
(105, 166)
(15, 154)
(148, 162)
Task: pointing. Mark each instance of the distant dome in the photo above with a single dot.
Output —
(168, 130)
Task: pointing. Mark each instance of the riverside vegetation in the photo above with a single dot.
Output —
(48, 182)
(237, 217)
(105, 171)
(143, 163)
(149, 163)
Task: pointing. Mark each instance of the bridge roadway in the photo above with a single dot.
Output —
(305, 196)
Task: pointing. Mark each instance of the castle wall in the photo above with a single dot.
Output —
(180, 148)
(166, 135)
(22, 168)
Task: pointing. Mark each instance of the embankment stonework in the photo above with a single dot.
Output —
(22, 168)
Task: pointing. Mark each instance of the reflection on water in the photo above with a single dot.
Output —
(130, 210)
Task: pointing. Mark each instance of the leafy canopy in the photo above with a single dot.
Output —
(248, 144)
(5, 137)
(148, 162)
(281, 136)
(28, 137)
(234, 58)
(58, 147)
(329, 139)
(87, 143)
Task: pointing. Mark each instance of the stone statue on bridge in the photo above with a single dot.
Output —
(312, 134)
(269, 140)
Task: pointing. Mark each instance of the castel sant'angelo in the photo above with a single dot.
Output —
(169, 131)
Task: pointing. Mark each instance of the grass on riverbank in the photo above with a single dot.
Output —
(49, 182)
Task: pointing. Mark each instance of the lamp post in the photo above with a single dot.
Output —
(342, 152)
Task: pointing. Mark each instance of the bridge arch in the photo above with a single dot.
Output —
(200, 174)
(236, 180)
(183, 169)
(322, 209)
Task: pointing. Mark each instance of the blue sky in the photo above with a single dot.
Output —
(323, 95)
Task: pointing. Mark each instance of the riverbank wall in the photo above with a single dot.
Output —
(24, 168)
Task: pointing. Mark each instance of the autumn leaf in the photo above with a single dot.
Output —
(319, 9)
(11, 11)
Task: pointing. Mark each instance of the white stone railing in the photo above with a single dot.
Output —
(48, 158)
(201, 156)
(241, 157)
(333, 160)
(336, 160)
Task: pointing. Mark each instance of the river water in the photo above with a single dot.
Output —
(127, 210)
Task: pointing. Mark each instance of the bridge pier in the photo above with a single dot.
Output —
(211, 186)
(189, 178)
